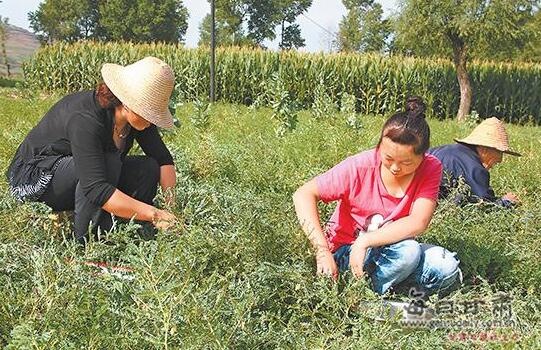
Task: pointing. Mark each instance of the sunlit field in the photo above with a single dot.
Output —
(239, 273)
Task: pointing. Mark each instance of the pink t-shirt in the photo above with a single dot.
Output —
(356, 183)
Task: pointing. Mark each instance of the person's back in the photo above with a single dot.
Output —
(470, 159)
(462, 161)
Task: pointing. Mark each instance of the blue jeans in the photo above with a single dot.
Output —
(427, 267)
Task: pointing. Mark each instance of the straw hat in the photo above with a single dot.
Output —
(490, 133)
(144, 87)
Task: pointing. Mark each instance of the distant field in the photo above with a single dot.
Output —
(241, 274)
(20, 45)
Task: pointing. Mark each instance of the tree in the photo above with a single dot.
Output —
(66, 20)
(3, 40)
(363, 28)
(532, 49)
(144, 20)
(286, 14)
(261, 20)
(251, 22)
(135, 20)
(374, 30)
(459, 28)
(230, 16)
(349, 35)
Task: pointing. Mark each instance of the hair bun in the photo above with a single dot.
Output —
(415, 107)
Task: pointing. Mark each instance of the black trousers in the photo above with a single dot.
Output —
(136, 176)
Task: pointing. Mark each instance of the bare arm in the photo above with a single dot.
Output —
(407, 227)
(168, 181)
(305, 200)
(403, 228)
(124, 206)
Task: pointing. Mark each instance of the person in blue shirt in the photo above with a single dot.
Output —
(470, 159)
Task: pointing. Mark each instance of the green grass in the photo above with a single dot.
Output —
(242, 275)
(10, 82)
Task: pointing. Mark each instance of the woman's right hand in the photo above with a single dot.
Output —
(511, 197)
(326, 264)
(163, 219)
(305, 200)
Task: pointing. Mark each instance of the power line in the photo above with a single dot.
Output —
(317, 24)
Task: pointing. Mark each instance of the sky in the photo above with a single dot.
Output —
(316, 24)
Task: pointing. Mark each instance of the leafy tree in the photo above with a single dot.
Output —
(261, 20)
(532, 49)
(461, 28)
(67, 20)
(135, 20)
(287, 12)
(250, 22)
(349, 35)
(230, 16)
(144, 20)
(374, 30)
(363, 28)
(3, 39)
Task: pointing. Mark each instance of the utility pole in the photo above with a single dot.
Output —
(212, 51)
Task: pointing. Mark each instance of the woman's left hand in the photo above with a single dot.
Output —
(170, 199)
(163, 219)
(356, 258)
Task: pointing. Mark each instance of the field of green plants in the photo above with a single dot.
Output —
(240, 274)
(379, 82)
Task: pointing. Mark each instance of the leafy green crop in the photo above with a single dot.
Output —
(241, 274)
(379, 83)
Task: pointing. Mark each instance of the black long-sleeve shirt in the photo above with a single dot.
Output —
(76, 126)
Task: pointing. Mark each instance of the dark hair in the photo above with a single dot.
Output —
(409, 127)
(105, 97)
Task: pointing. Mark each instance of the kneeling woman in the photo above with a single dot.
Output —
(75, 158)
(387, 196)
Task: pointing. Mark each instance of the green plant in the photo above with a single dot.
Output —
(283, 109)
(323, 106)
(348, 105)
(473, 119)
(200, 117)
(241, 274)
(380, 83)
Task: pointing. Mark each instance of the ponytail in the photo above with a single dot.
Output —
(409, 127)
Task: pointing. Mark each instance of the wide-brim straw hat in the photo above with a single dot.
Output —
(144, 87)
(490, 133)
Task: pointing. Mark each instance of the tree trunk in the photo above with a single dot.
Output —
(3, 39)
(282, 35)
(460, 57)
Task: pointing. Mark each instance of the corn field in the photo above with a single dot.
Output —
(380, 84)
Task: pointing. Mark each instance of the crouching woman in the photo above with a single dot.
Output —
(76, 158)
(386, 197)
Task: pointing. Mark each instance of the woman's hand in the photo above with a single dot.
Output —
(167, 182)
(170, 199)
(326, 264)
(511, 197)
(163, 219)
(356, 258)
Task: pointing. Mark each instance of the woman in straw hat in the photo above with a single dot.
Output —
(471, 158)
(76, 157)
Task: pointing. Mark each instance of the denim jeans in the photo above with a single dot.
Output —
(427, 267)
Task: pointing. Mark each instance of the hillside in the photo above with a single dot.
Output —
(20, 45)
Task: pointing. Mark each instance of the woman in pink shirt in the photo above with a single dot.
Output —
(386, 197)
